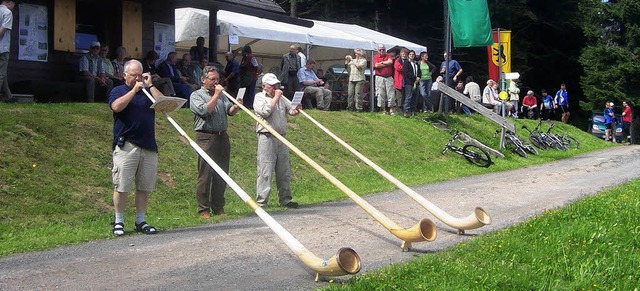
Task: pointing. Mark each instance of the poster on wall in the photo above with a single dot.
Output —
(164, 40)
(32, 40)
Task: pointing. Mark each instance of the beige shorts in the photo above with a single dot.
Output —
(131, 161)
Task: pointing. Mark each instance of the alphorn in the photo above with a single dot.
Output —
(477, 219)
(346, 261)
(425, 230)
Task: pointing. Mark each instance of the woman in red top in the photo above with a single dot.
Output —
(398, 79)
(626, 120)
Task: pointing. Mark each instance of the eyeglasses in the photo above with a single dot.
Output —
(212, 78)
(136, 76)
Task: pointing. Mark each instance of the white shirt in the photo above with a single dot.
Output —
(473, 90)
(303, 59)
(6, 20)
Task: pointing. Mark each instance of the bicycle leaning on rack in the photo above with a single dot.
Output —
(472, 153)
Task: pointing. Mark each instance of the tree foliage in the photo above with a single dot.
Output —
(610, 58)
(589, 45)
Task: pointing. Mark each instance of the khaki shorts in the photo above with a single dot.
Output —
(131, 161)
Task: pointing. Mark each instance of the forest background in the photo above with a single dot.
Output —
(591, 45)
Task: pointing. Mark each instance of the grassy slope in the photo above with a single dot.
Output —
(589, 245)
(55, 166)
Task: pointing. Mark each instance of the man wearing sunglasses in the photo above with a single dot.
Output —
(92, 72)
(385, 92)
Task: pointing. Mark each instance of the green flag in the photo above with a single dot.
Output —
(470, 23)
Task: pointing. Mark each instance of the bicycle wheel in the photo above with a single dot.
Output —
(515, 147)
(557, 143)
(531, 149)
(570, 142)
(535, 140)
(476, 156)
(528, 147)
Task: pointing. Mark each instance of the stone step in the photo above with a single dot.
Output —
(23, 98)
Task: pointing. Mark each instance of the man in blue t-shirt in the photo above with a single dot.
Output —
(561, 101)
(546, 107)
(135, 152)
(609, 121)
(454, 70)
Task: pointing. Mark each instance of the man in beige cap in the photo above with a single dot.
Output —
(273, 154)
(92, 72)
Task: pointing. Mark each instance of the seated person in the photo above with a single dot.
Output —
(149, 66)
(320, 74)
(92, 73)
(313, 86)
(167, 69)
(118, 63)
(530, 106)
(197, 70)
(109, 70)
(490, 96)
(187, 70)
(508, 106)
(491, 99)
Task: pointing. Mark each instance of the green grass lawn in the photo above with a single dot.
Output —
(55, 166)
(589, 245)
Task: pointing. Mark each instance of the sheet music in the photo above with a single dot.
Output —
(297, 99)
(168, 104)
(240, 93)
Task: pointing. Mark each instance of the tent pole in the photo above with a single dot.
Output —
(447, 50)
(213, 36)
(372, 85)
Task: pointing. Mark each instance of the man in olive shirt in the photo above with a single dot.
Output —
(210, 124)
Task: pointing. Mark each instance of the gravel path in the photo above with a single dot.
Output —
(245, 254)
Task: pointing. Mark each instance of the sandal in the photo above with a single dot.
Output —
(145, 228)
(118, 229)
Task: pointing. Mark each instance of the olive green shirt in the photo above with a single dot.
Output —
(203, 120)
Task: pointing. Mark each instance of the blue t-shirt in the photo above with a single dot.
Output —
(454, 67)
(135, 123)
(608, 118)
(547, 101)
(562, 97)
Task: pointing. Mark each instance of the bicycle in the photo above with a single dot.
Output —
(569, 142)
(517, 145)
(471, 153)
(541, 139)
(558, 143)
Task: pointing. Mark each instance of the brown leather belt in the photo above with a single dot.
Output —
(212, 132)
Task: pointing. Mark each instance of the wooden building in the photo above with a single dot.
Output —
(51, 76)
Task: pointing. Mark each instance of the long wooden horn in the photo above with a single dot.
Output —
(346, 260)
(425, 230)
(477, 219)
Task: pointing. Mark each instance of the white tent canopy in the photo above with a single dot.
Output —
(376, 37)
(327, 40)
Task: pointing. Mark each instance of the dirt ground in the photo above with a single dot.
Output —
(245, 254)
